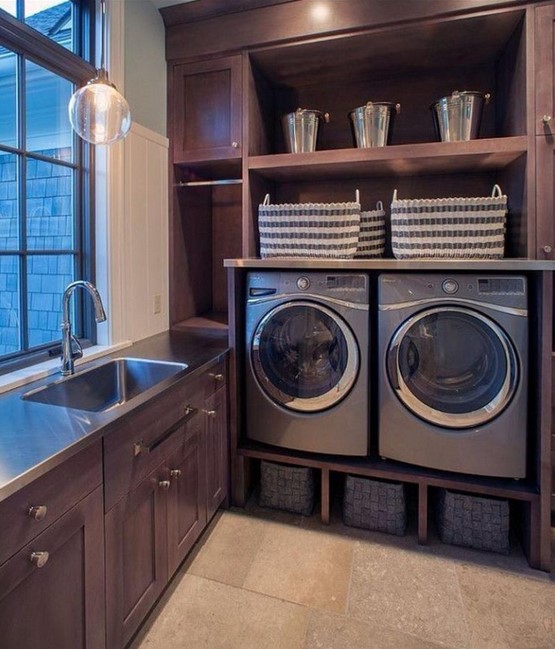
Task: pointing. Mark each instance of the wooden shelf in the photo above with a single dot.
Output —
(383, 469)
(210, 169)
(390, 265)
(427, 158)
(216, 322)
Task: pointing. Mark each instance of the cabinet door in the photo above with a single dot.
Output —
(186, 497)
(207, 110)
(545, 198)
(136, 557)
(216, 451)
(544, 45)
(52, 591)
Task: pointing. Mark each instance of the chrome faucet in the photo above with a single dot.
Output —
(68, 339)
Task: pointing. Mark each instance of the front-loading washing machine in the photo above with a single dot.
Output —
(453, 355)
(307, 336)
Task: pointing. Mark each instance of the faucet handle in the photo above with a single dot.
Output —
(78, 352)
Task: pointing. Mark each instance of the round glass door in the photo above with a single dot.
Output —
(453, 367)
(304, 356)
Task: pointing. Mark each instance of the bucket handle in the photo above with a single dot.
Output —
(379, 206)
(395, 194)
(496, 192)
(266, 200)
(357, 196)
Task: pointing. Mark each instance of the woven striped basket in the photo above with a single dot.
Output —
(329, 230)
(371, 241)
(469, 228)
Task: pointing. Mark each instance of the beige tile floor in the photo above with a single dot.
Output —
(261, 579)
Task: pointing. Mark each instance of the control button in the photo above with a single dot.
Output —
(303, 283)
(450, 287)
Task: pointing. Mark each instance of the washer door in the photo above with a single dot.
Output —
(453, 367)
(304, 356)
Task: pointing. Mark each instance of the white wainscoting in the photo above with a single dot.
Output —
(145, 233)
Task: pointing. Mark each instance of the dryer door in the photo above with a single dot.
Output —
(304, 356)
(453, 367)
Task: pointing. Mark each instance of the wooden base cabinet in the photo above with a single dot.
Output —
(52, 590)
(217, 452)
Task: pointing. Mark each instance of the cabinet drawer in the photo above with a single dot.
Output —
(32, 509)
(140, 443)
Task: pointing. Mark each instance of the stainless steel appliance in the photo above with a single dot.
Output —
(453, 359)
(307, 337)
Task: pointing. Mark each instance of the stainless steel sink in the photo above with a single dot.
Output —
(105, 386)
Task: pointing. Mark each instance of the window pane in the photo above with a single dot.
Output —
(49, 206)
(9, 5)
(48, 128)
(53, 18)
(9, 212)
(47, 277)
(9, 305)
(8, 93)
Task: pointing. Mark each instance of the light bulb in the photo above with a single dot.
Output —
(98, 112)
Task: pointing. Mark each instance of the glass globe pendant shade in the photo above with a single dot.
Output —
(98, 112)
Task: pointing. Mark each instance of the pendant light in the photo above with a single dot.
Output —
(98, 113)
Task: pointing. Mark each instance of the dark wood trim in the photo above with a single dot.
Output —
(325, 496)
(423, 514)
(295, 20)
(187, 13)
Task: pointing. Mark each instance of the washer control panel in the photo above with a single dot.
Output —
(450, 286)
(303, 283)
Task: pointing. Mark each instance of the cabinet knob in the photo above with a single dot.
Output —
(218, 377)
(175, 473)
(39, 558)
(210, 413)
(235, 145)
(164, 484)
(548, 249)
(38, 512)
(546, 119)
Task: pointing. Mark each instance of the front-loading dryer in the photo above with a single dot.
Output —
(307, 336)
(453, 355)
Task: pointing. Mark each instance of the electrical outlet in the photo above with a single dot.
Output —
(157, 304)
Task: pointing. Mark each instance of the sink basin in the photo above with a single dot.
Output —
(105, 386)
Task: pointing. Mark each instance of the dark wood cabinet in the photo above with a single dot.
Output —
(186, 496)
(52, 590)
(217, 454)
(545, 130)
(136, 556)
(206, 107)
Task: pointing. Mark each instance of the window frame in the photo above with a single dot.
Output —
(39, 49)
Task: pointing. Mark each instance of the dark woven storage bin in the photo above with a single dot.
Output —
(375, 505)
(287, 487)
(474, 521)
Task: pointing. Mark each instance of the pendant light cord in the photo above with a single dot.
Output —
(102, 34)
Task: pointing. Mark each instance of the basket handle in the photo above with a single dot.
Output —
(357, 196)
(379, 206)
(395, 194)
(496, 192)
(266, 200)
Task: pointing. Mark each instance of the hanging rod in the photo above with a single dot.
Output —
(205, 183)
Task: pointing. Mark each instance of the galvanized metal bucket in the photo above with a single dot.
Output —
(457, 117)
(373, 123)
(300, 129)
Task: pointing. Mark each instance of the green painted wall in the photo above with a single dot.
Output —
(145, 64)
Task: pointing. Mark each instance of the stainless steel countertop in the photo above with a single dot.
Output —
(35, 437)
(393, 264)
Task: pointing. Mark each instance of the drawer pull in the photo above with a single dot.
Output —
(39, 558)
(218, 377)
(164, 484)
(140, 448)
(175, 473)
(188, 410)
(211, 413)
(38, 512)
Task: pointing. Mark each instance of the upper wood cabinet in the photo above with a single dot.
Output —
(206, 107)
(544, 45)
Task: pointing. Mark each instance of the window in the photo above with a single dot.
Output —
(45, 211)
